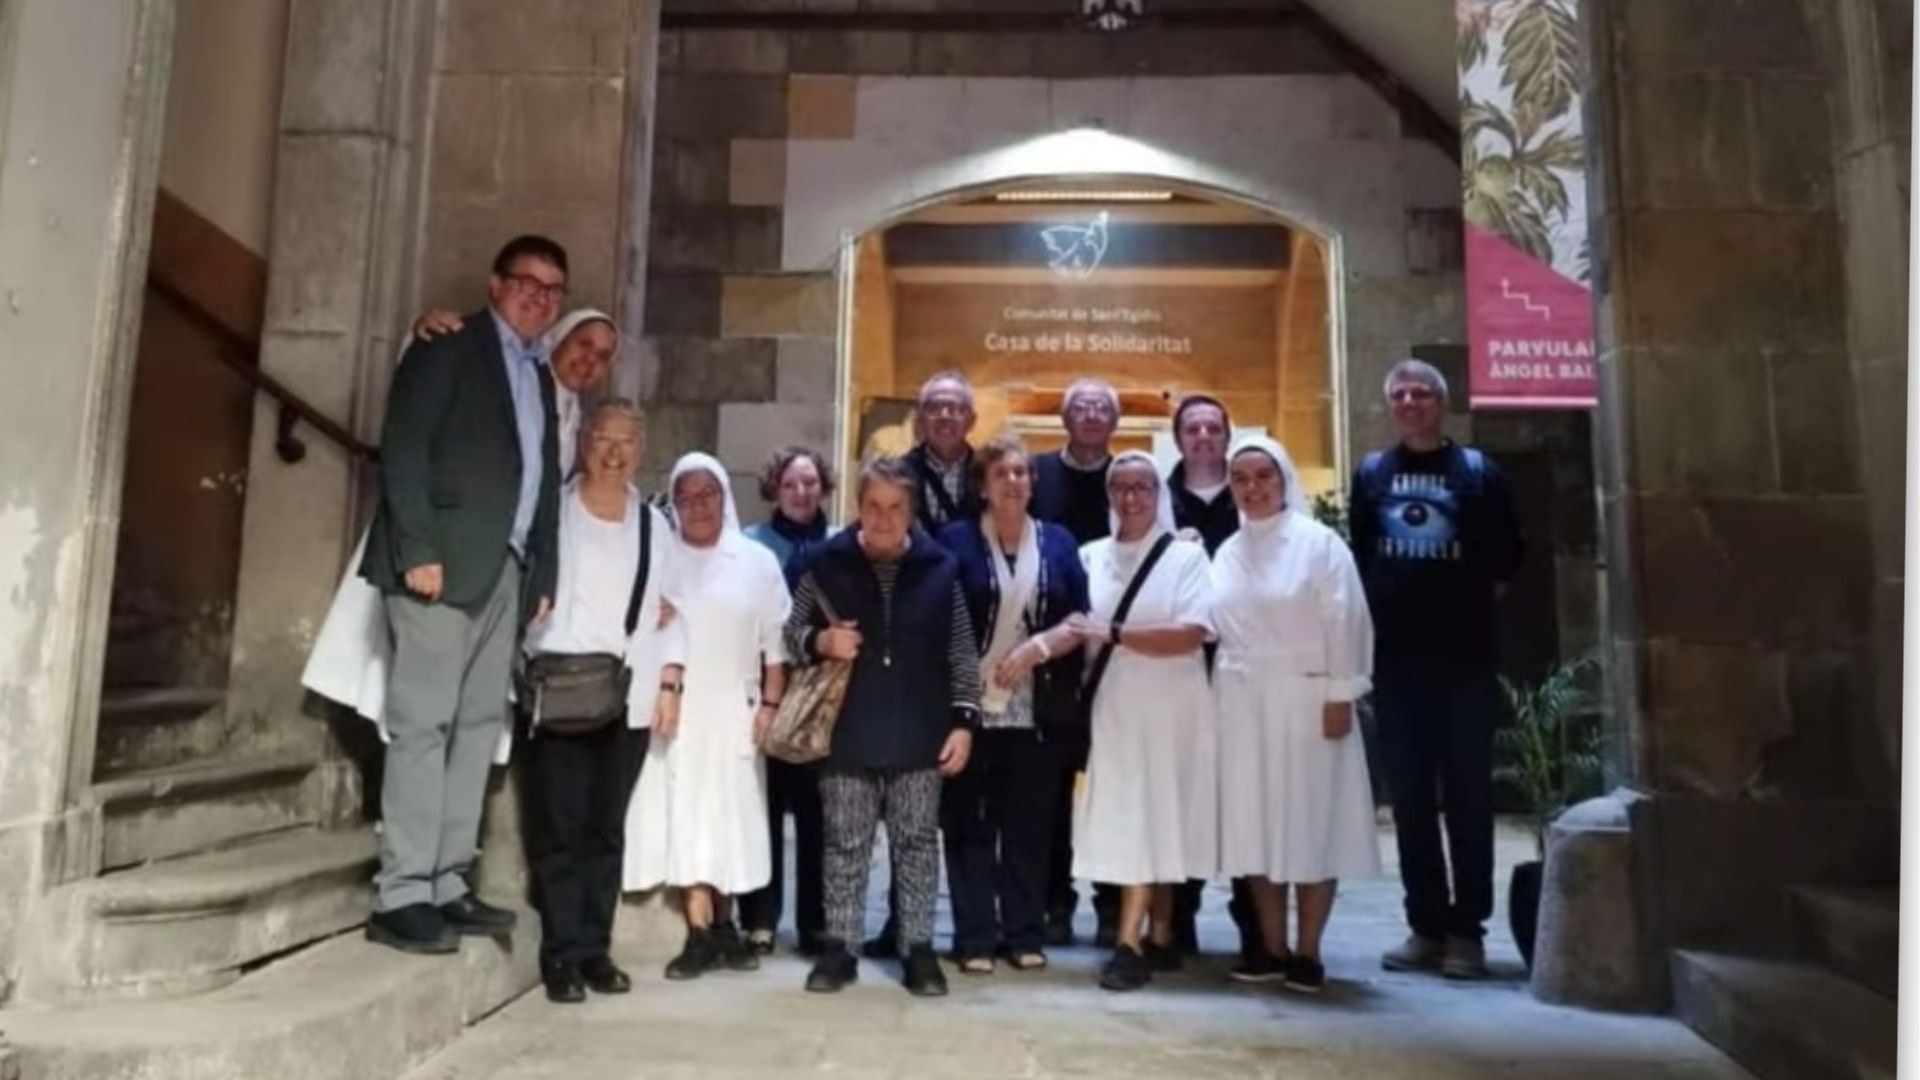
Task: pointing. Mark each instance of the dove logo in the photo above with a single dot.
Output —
(1075, 251)
(1111, 14)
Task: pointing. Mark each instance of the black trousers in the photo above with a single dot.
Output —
(1436, 736)
(998, 821)
(791, 789)
(575, 799)
(1061, 897)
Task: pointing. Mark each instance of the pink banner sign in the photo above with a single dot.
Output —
(1524, 198)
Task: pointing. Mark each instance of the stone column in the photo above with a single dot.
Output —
(339, 261)
(1736, 522)
(82, 98)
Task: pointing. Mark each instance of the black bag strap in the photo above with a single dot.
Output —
(646, 567)
(1105, 655)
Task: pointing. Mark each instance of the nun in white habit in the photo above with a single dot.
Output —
(699, 818)
(1146, 818)
(1296, 652)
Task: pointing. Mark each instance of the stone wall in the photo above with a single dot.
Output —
(1738, 538)
(82, 90)
(773, 144)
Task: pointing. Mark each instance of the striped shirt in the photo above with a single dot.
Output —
(963, 664)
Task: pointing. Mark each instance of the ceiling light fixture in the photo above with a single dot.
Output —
(1082, 195)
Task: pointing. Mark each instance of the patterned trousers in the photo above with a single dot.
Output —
(853, 804)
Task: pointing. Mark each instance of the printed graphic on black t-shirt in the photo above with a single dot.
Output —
(1420, 519)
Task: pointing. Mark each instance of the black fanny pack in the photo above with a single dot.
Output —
(580, 693)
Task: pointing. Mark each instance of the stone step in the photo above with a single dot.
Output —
(1785, 1020)
(186, 925)
(164, 813)
(343, 1009)
(1855, 932)
(156, 727)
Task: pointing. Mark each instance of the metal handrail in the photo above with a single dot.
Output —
(241, 357)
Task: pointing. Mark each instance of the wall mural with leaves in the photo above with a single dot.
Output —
(1523, 161)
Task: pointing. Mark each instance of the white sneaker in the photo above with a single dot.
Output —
(1417, 953)
(1466, 958)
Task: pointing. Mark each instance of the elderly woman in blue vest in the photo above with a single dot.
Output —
(1022, 579)
(912, 704)
(797, 481)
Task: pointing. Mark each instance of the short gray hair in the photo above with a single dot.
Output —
(950, 375)
(1419, 371)
(1087, 384)
(885, 469)
(605, 407)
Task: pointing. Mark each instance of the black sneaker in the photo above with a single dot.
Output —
(602, 977)
(1259, 967)
(564, 984)
(835, 969)
(472, 915)
(1164, 957)
(760, 942)
(701, 955)
(1126, 970)
(921, 974)
(1305, 975)
(416, 928)
(733, 949)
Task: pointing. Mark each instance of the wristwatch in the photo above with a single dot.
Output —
(672, 687)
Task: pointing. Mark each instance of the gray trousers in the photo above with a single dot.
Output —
(853, 804)
(446, 707)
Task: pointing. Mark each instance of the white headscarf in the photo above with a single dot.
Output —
(1296, 498)
(572, 321)
(696, 461)
(1163, 499)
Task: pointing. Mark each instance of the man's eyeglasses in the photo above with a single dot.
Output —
(533, 286)
(944, 410)
(1090, 410)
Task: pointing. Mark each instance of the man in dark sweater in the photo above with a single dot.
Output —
(1070, 484)
(1070, 490)
(941, 463)
(1437, 538)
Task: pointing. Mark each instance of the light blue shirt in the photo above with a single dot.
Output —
(530, 417)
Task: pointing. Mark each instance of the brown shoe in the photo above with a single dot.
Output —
(1417, 953)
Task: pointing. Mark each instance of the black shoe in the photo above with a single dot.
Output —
(1164, 957)
(602, 977)
(884, 947)
(921, 974)
(1125, 970)
(733, 949)
(1260, 966)
(416, 928)
(809, 946)
(834, 970)
(1305, 975)
(701, 955)
(564, 984)
(760, 942)
(472, 915)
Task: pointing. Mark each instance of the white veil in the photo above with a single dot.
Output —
(707, 463)
(1163, 499)
(1297, 501)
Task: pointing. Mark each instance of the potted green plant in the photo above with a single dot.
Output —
(1550, 753)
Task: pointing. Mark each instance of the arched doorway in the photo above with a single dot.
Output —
(1162, 288)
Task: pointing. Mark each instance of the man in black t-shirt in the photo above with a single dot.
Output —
(1437, 539)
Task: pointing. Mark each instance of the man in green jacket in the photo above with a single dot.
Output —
(463, 547)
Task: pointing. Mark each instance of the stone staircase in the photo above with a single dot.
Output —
(1823, 1011)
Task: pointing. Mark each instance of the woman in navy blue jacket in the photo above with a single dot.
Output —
(1022, 578)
